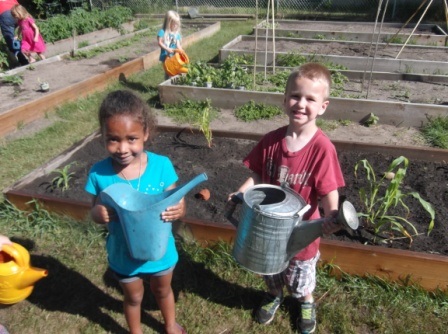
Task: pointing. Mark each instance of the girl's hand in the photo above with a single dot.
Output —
(174, 212)
(102, 214)
(4, 240)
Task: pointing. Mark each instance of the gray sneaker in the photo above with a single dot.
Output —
(270, 304)
(307, 322)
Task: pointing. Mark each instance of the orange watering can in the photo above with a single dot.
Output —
(175, 64)
(17, 278)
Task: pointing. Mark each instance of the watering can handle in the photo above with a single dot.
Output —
(14, 253)
(231, 206)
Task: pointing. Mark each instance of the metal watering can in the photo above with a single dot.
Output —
(145, 232)
(17, 277)
(271, 231)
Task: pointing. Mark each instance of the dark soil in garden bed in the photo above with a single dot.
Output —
(223, 165)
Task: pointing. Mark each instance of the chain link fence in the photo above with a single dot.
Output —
(313, 9)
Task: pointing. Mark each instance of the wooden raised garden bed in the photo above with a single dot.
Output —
(352, 55)
(428, 270)
(424, 34)
(37, 108)
(392, 113)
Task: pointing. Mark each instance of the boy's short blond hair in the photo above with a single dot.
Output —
(312, 71)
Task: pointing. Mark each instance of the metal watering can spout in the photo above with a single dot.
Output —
(305, 232)
(139, 214)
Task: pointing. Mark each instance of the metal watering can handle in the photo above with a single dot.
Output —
(231, 206)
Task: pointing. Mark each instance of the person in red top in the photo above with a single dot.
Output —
(8, 25)
(304, 158)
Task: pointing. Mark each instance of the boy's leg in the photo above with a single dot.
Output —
(163, 293)
(133, 296)
(272, 300)
(301, 281)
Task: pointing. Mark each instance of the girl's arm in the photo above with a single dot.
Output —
(176, 211)
(178, 44)
(163, 46)
(36, 32)
(4, 240)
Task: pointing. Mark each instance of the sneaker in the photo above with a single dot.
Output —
(307, 320)
(270, 304)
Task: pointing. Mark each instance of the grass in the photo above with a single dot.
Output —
(213, 294)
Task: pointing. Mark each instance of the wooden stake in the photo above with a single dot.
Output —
(412, 32)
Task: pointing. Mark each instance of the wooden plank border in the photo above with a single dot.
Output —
(37, 109)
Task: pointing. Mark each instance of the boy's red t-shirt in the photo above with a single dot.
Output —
(312, 172)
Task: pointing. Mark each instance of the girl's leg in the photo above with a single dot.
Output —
(133, 296)
(163, 293)
(28, 55)
(41, 56)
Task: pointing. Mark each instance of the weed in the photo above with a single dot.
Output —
(345, 122)
(252, 111)
(381, 196)
(326, 125)
(83, 44)
(20, 125)
(435, 131)
(319, 36)
(15, 80)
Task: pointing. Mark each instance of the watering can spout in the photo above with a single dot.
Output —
(307, 231)
(31, 276)
(139, 215)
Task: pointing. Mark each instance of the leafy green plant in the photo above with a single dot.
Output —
(435, 131)
(252, 111)
(62, 178)
(195, 113)
(83, 44)
(15, 80)
(381, 196)
(370, 120)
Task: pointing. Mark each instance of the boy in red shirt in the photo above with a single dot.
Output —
(301, 155)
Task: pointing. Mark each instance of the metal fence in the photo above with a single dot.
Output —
(312, 8)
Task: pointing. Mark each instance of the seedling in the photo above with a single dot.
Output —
(61, 181)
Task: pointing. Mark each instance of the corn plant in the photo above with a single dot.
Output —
(62, 179)
(195, 113)
(381, 196)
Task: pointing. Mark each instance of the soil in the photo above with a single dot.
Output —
(346, 49)
(360, 27)
(222, 163)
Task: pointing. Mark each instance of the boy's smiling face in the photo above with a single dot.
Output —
(305, 100)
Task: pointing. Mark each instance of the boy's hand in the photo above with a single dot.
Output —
(174, 212)
(102, 214)
(330, 226)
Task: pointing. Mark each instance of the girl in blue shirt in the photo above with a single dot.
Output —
(126, 123)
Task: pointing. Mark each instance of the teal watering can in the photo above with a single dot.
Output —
(145, 232)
